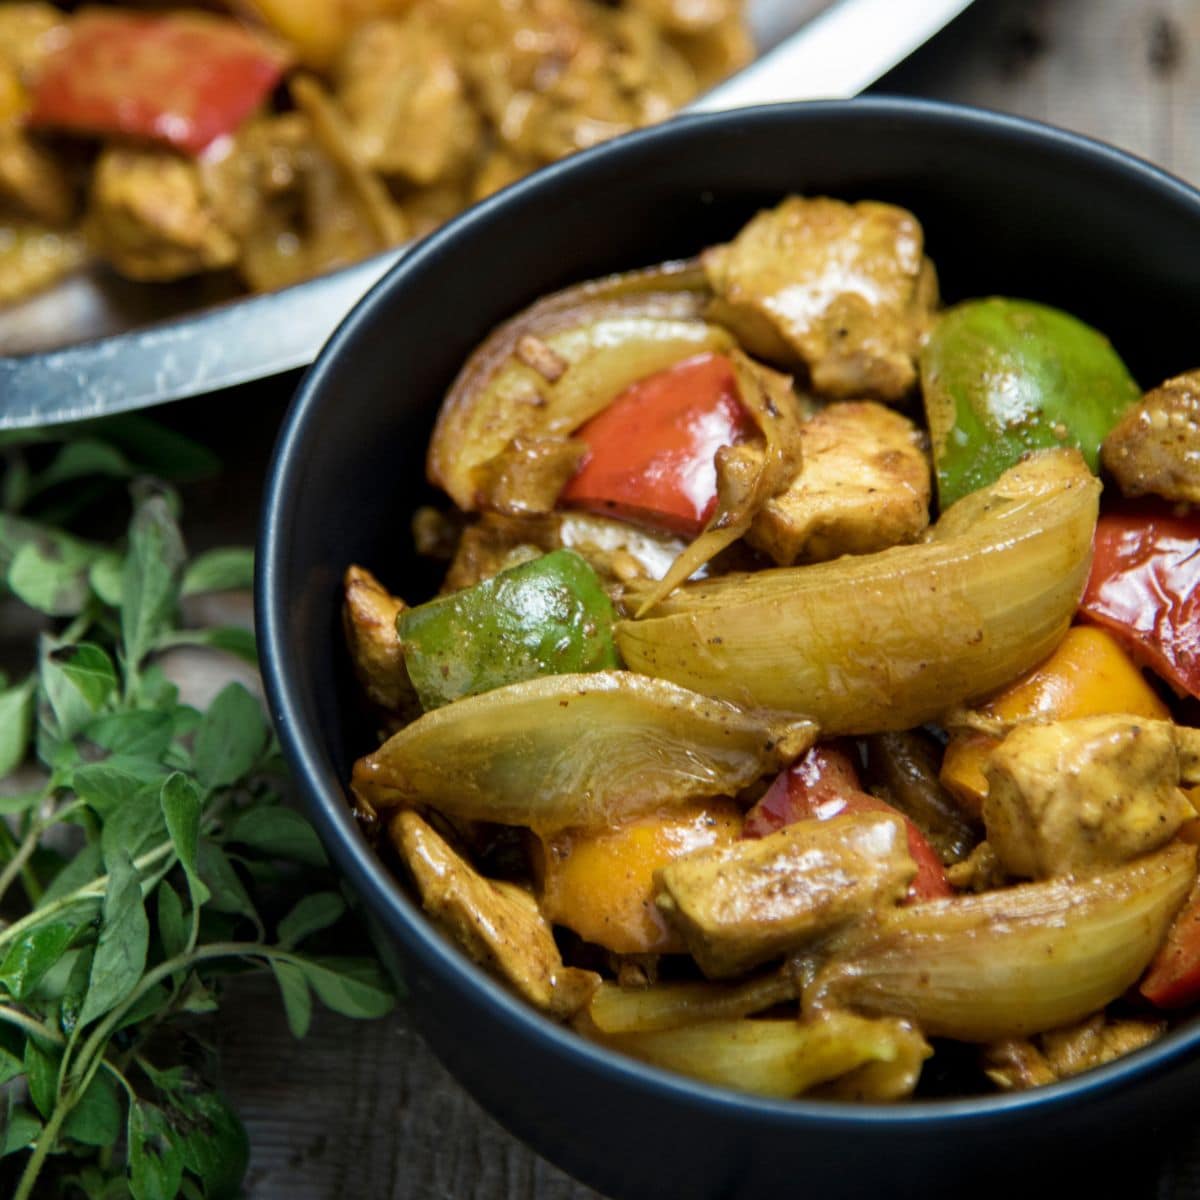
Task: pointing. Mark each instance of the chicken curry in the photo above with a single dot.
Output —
(809, 688)
(272, 140)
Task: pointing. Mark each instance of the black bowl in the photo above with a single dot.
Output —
(1009, 207)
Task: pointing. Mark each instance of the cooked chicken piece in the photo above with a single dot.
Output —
(715, 53)
(149, 215)
(1155, 447)
(620, 553)
(688, 16)
(33, 183)
(28, 32)
(552, 77)
(843, 289)
(369, 619)
(741, 905)
(406, 99)
(525, 479)
(863, 486)
(498, 924)
(33, 257)
(1081, 795)
(1017, 1064)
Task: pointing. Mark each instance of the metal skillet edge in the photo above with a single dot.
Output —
(834, 55)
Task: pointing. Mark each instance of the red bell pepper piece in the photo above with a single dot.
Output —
(1173, 978)
(185, 79)
(1145, 588)
(651, 451)
(824, 784)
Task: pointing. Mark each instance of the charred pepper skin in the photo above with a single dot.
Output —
(1003, 377)
(548, 616)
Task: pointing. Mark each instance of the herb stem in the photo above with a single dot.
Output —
(41, 1148)
(13, 1016)
(16, 865)
(89, 891)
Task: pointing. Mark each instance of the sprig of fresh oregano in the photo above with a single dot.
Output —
(145, 850)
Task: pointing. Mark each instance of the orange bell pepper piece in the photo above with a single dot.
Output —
(1089, 674)
(600, 884)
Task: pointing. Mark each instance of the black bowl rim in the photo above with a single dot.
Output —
(323, 790)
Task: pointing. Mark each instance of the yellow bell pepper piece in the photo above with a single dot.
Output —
(13, 100)
(601, 883)
(1087, 675)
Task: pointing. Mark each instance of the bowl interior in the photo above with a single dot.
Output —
(1008, 207)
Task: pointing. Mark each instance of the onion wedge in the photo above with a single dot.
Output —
(560, 362)
(891, 640)
(1012, 962)
(576, 750)
(615, 1009)
(781, 1058)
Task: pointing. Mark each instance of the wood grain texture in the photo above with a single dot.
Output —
(364, 1111)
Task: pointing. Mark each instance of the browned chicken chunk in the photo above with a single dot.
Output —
(741, 905)
(1081, 795)
(369, 618)
(498, 924)
(1019, 1063)
(842, 289)
(1155, 447)
(863, 486)
(406, 100)
(33, 183)
(149, 215)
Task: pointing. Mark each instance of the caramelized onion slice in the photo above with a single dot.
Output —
(615, 1009)
(551, 368)
(891, 640)
(1012, 962)
(781, 1058)
(576, 750)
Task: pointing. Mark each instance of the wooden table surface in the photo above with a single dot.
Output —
(364, 1110)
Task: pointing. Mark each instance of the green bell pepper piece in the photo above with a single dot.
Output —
(548, 616)
(1002, 377)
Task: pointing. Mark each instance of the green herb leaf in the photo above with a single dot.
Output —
(33, 954)
(172, 926)
(215, 1148)
(89, 669)
(354, 987)
(220, 570)
(231, 738)
(181, 805)
(232, 639)
(80, 459)
(96, 1118)
(50, 573)
(12, 1054)
(297, 999)
(106, 786)
(228, 893)
(74, 995)
(155, 1157)
(20, 1130)
(156, 449)
(280, 832)
(124, 938)
(150, 583)
(16, 724)
(134, 827)
(41, 1075)
(80, 871)
(105, 575)
(311, 914)
(65, 711)
(139, 733)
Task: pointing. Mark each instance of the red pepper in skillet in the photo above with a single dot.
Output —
(824, 784)
(650, 452)
(185, 79)
(1145, 588)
